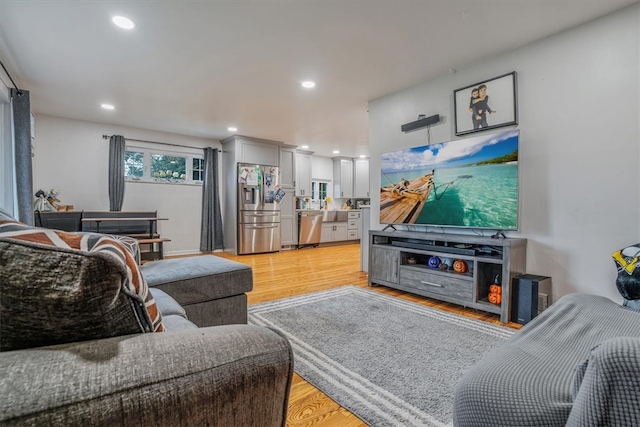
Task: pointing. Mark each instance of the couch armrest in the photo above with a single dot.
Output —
(225, 375)
(607, 389)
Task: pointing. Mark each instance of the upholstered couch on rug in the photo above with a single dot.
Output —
(577, 364)
(211, 289)
(85, 341)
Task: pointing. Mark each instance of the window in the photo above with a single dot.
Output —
(152, 165)
(7, 182)
(319, 190)
(134, 164)
(198, 169)
(169, 168)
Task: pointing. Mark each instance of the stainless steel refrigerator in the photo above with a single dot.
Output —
(259, 194)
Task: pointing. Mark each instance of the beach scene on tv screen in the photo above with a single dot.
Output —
(471, 182)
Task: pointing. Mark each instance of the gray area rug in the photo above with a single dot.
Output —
(390, 362)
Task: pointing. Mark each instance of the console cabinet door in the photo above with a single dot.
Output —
(65, 221)
(383, 265)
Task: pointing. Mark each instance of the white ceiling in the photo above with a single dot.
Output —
(197, 67)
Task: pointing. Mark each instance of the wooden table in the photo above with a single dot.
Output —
(113, 219)
(150, 240)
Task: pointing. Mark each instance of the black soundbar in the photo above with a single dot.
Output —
(420, 123)
(444, 249)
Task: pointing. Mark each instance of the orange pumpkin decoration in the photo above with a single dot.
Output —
(495, 298)
(495, 289)
(459, 266)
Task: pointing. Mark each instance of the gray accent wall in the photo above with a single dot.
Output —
(579, 151)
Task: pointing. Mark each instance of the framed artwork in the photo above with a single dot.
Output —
(486, 105)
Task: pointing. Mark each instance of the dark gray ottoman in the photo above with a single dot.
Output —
(210, 289)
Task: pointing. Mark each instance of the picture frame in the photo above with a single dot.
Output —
(498, 107)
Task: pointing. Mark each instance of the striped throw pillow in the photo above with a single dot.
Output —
(52, 281)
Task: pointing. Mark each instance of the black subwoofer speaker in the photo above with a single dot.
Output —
(529, 296)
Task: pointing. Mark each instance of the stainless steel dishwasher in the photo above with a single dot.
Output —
(310, 227)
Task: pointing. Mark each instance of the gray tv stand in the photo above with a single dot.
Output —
(399, 259)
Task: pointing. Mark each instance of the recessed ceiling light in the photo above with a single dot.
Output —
(123, 22)
(304, 147)
(108, 107)
(362, 156)
(232, 129)
(336, 152)
(308, 84)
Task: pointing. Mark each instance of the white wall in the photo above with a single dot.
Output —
(72, 157)
(579, 145)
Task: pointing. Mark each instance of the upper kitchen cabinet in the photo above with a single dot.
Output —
(287, 167)
(342, 178)
(303, 174)
(361, 178)
(253, 150)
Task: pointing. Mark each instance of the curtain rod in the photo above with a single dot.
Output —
(9, 75)
(156, 142)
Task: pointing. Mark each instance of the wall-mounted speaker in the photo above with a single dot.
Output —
(420, 123)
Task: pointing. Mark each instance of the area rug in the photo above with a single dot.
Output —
(390, 362)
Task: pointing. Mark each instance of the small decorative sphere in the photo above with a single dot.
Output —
(460, 266)
(433, 262)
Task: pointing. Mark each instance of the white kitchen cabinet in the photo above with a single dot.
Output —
(334, 232)
(287, 167)
(260, 152)
(353, 226)
(342, 178)
(361, 178)
(288, 219)
(303, 174)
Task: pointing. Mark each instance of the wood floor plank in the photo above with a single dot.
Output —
(295, 272)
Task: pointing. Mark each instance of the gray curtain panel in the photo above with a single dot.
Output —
(116, 172)
(211, 229)
(23, 163)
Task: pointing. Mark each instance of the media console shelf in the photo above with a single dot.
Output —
(400, 260)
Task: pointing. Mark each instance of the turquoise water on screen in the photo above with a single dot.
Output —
(488, 198)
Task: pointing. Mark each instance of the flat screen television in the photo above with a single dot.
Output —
(470, 183)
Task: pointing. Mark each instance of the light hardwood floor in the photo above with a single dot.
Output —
(295, 272)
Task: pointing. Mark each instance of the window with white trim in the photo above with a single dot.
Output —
(7, 169)
(198, 169)
(143, 164)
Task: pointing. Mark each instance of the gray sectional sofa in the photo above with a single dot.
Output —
(212, 290)
(577, 364)
(78, 346)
